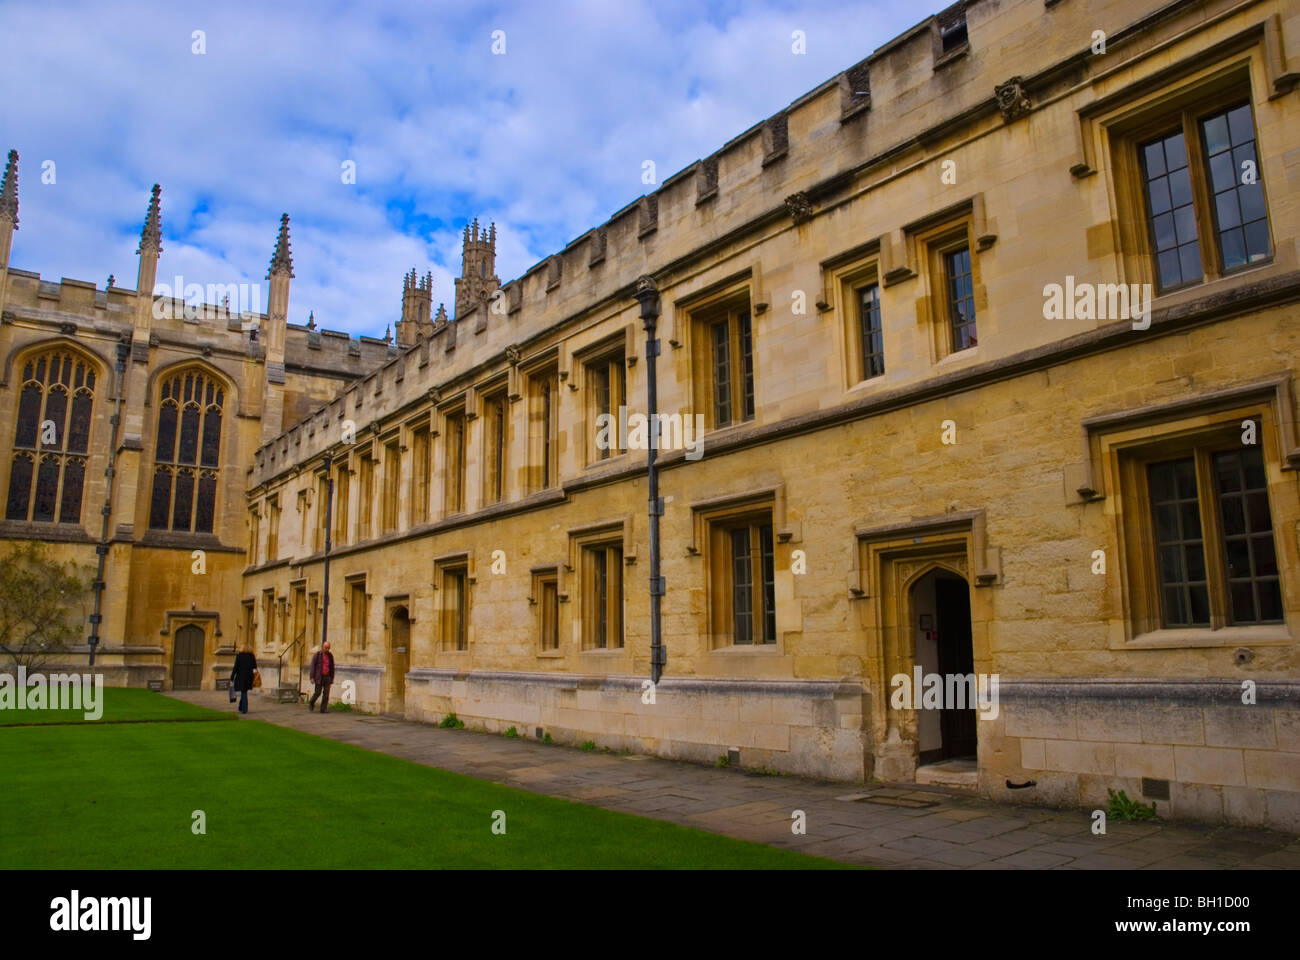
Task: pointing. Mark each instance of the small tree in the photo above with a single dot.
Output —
(42, 605)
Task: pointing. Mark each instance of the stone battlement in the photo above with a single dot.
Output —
(953, 80)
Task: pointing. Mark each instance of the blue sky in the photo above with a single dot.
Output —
(547, 139)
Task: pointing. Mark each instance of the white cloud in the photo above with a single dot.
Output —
(548, 140)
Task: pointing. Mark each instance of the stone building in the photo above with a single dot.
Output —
(176, 394)
(977, 361)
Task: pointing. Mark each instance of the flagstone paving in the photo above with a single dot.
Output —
(901, 826)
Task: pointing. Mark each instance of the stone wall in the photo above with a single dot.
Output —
(811, 728)
(1212, 757)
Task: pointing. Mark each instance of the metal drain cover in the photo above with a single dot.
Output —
(900, 802)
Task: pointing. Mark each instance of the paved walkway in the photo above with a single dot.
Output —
(881, 825)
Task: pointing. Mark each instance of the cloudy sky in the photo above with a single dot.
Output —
(546, 139)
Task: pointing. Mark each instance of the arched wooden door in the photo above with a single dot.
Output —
(187, 658)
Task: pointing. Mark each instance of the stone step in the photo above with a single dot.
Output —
(956, 774)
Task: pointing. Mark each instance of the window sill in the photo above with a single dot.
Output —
(550, 654)
(871, 383)
(956, 53)
(958, 356)
(608, 461)
(603, 651)
(1283, 261)
(1273, 634)
(40, 530)
(734, 427)
(758, 649)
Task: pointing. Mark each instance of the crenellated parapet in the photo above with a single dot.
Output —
(944, 106)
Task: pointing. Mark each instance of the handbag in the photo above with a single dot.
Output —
(257, 679)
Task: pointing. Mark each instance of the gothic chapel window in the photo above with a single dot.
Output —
(52, 439)
(187, 456)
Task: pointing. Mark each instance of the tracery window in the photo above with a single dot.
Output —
(52, 438)
(187, 456)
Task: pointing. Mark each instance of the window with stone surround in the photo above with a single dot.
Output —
(454, 427)
(606, 393)
(870, 346)
(421, 472)
(452, 579)
(741, 575)
(852, 287)
(342, 500)
(52, 438)
(959, 297)
(322, 509)
(303, 508)
(254, 532)
(546, 598)
(602, 594)
(392, 485)
(249, 624)
(272, 527)
(953, 275)
(187, 453)
(496, 444)
(543, 427)
(1199, 532)
(268, 619)
(1190, 186)
(365, 493)
(298, 614)
(598, 554)
(950, 36)
(357, 602)
(1214, 538)
(1205, 209)
(723, 360)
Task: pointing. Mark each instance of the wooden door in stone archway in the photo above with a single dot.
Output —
(187, 658)
(399, 661)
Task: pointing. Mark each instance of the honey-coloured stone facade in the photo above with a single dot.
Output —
(905, 463)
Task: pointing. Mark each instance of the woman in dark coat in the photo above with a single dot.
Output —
(241, 677)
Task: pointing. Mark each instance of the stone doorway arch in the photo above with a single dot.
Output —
(903, 732)
(399, 659)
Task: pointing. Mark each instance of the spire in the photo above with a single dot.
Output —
(311, 320)
(442, 314)
(281, 262)
(9, 190)
(417, 304)
(151, 235)
(478, 276)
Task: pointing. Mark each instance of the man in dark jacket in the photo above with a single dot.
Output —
(322, 674)
(241, 677)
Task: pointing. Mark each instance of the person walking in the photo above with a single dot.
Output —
(241, 676)
(322, 674)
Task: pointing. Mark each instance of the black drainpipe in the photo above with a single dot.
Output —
(647, 292)
(123, 348)
(329, 523)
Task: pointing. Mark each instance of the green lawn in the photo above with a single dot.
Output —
(97, 795)
(121, 705)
